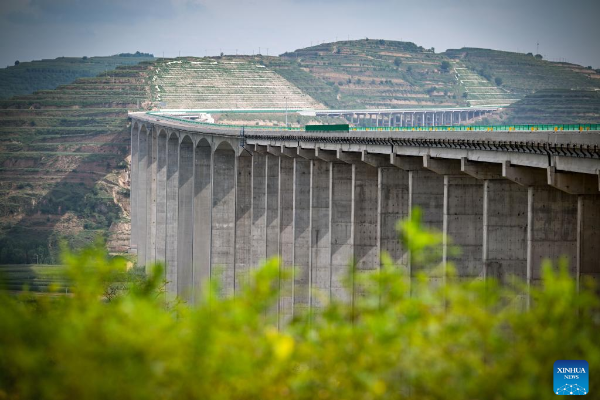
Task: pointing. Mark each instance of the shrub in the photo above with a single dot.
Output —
(397, 61)
(498, 81)
(445, 66)
(399, 339)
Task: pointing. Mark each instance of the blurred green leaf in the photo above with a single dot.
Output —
(402, 337)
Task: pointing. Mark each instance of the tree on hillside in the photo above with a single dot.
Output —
(539, 56)
(445, 66)
(485, 73)
(397, 61)
(17, 62)
(498, 81)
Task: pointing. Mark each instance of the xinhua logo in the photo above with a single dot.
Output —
(571, 377)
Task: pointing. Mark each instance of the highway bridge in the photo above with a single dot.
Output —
(375, 118)
(216, 200)
(406, 117)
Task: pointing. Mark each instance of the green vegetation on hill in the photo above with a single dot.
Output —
(556, 106)
(63, 169)
(392, 74)
(319, 89)
(523, 74)
(28, 77)
(223, 82)
(373, 73)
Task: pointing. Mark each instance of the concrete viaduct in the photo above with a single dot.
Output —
(210, 201)
(406, 117)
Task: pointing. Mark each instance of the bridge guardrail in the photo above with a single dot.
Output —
(520, 128)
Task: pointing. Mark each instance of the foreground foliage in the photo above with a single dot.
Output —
(402, 339)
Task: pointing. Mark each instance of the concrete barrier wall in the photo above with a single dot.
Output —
(213, 205)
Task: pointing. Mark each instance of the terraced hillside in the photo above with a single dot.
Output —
(478, 91)
(524, 74)
(223, 82)
(63, 165)
(27, 77)
(554, 106)
(375, 74)
(392, 74)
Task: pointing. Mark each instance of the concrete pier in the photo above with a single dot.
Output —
(135, 165)
(151, 198)
(393, 200)
(365, 199)
(320, 237)
(161, 197)
(243, 220)
(172, 214)
(272, 207)
(202, 236)
(302, 236)
(342, 229)
(185, 221)
(286, 237)
(259, 204)
(426, 191)
(552, 229)
(223, 217)
(504, 230)
(588, 238)
(463, 225)
(142, 199)
(212, 203)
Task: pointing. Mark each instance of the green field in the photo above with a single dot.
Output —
(33, 277)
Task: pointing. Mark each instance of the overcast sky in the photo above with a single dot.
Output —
(35, 29)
